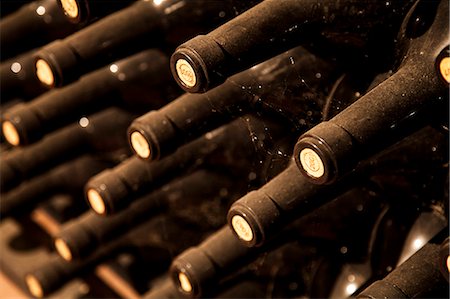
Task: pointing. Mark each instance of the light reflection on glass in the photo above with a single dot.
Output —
(16, 67)
(351, 288)
(418, 243)
(158, 2)
(113, 68)
(40, 10)
(84, 122)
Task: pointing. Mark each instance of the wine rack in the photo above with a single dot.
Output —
(224, 149)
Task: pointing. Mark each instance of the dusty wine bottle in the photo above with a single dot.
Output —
(81, 236)
(396, 107)
(293, 85)
(198, 267)
(84, 11)
(144, 76)
(417, 277)
(49, 276)
(270, 28)
(18, 79)
(31, 26)
(142, 25)
(112, 190)
(69, 177)
(262, 213)
(93, 134)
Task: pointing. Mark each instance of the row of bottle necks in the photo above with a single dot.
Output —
(309, 105)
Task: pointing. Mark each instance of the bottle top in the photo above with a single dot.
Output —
(34, 286)
(185, 284)
(70, 8)
(45, 73)
(242, 228)
(96, 201)
(185, 73)
(444, 67)
(63, 249)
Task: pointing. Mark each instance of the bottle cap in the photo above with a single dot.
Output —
(197, 64)
(70, 8)
(193, 272)
(45, 73)
(324, 153)
(311, 162)
(184, 282)
(242, 228)
(140, 145)
(253, 217)
(96, 201)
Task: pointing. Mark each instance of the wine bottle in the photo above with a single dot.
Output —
(49, 276)
(392, 110)
(93, 134)
(242, 289)
(18, 78)
(69, 177)
(293, 85)
(142, 25)
(417, 277)
(207, 268)
(137, 82)
(236, 144)
(198, 267)
(262, 213)
(272, 27)
(31, 26)
(81, 236)
(84, 11)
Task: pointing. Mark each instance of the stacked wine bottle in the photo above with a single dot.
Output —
(225, 149)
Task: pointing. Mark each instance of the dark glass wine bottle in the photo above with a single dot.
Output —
(238, 146)
(31, 26)
(295, 85)
(272, 27)
(91, 134)
(417, 277)
(261, 214)
(138, 82)
(142, 25)
(404, 102)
